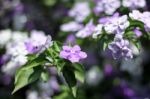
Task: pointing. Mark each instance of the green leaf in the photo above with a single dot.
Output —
(136, 23)
(36, 62)
(25, 77)
(57, 46)
(45, 76)
(79, 72)
(105, 46)
(69, 76)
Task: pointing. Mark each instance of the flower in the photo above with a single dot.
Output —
(80, 11)
(120, 48)
(86, 31)
(143, 17)
(107, 6)
(133, 4)
(73, 54)
(38, 42)
(71, 27)
(117, 25)
(5, 37)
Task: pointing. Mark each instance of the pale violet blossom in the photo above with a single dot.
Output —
(107, 6)
(71, 27)
(117, 25)
(120, 48)
(133, 4)
(86, 31)
(73, 54)
(97, 31)
(80, 11)
(5, 36)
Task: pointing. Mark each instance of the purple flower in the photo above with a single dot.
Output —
(86, 31)
(117, 25)
(73, 54)
(120, 48)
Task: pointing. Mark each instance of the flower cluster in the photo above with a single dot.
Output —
(20, 45)
(73, 54)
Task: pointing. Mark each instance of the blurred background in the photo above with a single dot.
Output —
(105, 79)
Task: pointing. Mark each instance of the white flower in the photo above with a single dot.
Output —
(18, 36)
(97, 31)
(5, 36)
(9, 68)
(136, 15)
(71, 27)
(80, 11)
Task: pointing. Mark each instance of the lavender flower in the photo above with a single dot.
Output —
(117, 25)
(86, 31)
(107, 6)
(73, 54)
(133, 4)
(80, 11)
(120, 48)
(71, 27)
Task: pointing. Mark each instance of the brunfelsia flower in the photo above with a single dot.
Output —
(80, 11)
(133, 4)
(120, 48)
(117, 25)
(71, 27)
(38, 42)
(73, 54)
(107, 6)
(86, 31)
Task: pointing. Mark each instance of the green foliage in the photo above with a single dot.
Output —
(37, 65)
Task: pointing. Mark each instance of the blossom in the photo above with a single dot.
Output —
(73, 54)
(133, 4)
(5, 37)
(86, 31)
(80, 11)
(120, 48)
(97, 31)
(106, 19)
(71, 26)
(117, 25)
(143, 17)
(107, 6)
(38, 42)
